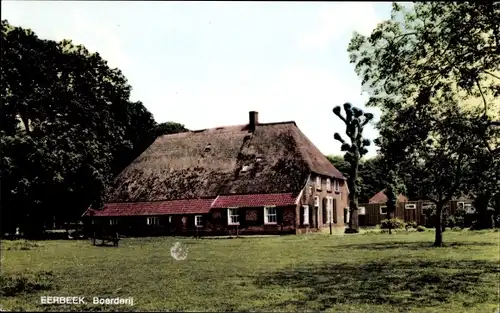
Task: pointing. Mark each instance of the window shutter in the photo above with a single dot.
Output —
(242, 216)
(325, 213)
(279, 215)
(334, 210)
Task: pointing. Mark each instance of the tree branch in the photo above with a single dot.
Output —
(491, 74)
(482, 96)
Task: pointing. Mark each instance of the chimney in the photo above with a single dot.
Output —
(253, 120)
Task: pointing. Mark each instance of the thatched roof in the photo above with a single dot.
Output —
(275, 158)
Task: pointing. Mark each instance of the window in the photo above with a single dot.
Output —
(232, 217)
(318, 183)
(316, 201)
(428, 206)
(361, 210)
(113, 222)
(244, 168)
(153, 221)
(328, 184)
(198, 221)
(310, 190)
(410, 206)
(383, 209)
(461, 205)
(306, 214)
(336, 185)
(329, 209)
(170, 218)
(469, 209)
(270, 215)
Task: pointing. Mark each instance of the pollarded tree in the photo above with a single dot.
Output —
(355, 120)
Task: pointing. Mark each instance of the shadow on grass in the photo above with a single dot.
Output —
(410, 245)
(398, 283)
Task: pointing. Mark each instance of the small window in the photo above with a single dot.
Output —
(328, 184)
(153, 221)
(361, 210)
(428, 206)
(198, 222)
(244, 168)
(410, 206)
(306, 214)
(383, 209)
(258, 159)
(113, 222)
(318, 183)
(316, 201)
(329, 210)
(461, 205)
(469, 209)
(232, 217)
(336, 185)
(270, 215)
(310, 189)
(170, 218)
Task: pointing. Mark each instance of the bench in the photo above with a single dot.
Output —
(105, 239)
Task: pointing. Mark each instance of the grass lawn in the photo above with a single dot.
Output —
(355, 273)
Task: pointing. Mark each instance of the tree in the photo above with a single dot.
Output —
(394, 186)
(355, 120)
(67, 127)
(431, 62)
(371, 175)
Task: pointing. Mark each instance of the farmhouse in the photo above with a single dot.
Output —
(245, 179)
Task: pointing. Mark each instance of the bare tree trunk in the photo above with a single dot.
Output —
(438, 241)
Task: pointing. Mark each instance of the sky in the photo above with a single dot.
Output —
(207, 64)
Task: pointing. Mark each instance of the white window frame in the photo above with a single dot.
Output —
(383, 206)
(328, 184)
(462, 203)
(329, 209)
(153, 220)
(361, 210)
(198, 223)
(469, 209)
(318, 183)
(232, 212)
(316, 201)
(170, 218)
(306, 214)
(348, 216)
(336, 185)
(267, 215)
(410, 206)
(113, 222)
(310, 190)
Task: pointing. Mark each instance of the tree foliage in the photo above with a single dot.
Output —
(371, 175)
(433, 69)
(355, 120)
(67, 126)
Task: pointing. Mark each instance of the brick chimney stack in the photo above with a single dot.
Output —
(253, 120)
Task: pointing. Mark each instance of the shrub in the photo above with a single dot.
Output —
(421, 228)
(456, 228)
(393, 223)
(411, 225)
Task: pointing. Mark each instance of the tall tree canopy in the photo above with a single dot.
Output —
(67, 126)
(433, 69)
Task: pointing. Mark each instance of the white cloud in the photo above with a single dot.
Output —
(338, 19)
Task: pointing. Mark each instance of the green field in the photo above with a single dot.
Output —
(317, 272)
